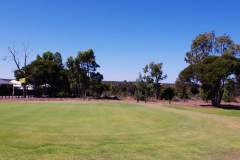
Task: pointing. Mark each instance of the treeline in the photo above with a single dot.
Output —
(213, 74)
(137, 90)
(77, 77)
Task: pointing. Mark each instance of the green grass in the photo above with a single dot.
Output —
(211, 110)
(72, 131)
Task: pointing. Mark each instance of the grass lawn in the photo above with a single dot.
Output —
(118, 131)
(219, 111)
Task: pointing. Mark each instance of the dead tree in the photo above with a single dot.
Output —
(22, 69)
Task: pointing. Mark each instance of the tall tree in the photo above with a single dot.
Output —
(47, 73)
(144, 88)
(212, 74)
(96, 87)
(71, 70)
(206, 53)
(153, 74)
(21, 68)
(75, 74)
(82, 72)
(87, 62)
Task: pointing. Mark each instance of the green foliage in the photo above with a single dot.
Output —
(211, 74)
(208, 44)
(168, 94)
(82, 75)
(47, 74)
(182, 90)
(213, 63)
(201, 47)
(87, 61)
(153, 74)
(51, 78)
(144, 88)
(122, 89)
(77, 77)
(148, 83)
(205, 93)
(187, 83)
(96, 87)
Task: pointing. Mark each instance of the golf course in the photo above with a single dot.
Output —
(123, 131)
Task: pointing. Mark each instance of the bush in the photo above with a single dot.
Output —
(168, 94)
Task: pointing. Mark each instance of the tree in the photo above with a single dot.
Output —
(124, 88)
(211, 60)
(47, 73)
(76, 77)
(88, 64)
(168, 94)
(51, 77)
(144, 88)
(153, 74)
(87, 61)
(187, 83)
(96, 87)
(208, 44)
(82, 74)
(21, 69)
(182, 89)
(212, 74)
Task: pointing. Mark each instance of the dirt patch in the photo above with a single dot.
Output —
(232, 155)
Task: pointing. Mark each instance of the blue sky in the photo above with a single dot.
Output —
(125, 34)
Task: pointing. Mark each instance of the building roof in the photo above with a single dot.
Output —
(4, 82)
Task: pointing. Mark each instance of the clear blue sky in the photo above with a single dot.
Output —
(125, 34)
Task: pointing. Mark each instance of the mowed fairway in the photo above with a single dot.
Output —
(118, 131)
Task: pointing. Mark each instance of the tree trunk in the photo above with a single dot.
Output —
(217, 98)
(24, 91)
(158, 91)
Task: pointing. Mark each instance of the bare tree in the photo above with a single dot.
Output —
(21, 68)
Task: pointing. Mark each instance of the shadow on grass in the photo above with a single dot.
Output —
(224, 106)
